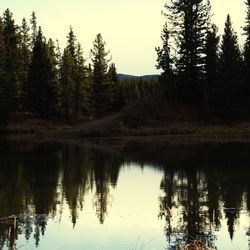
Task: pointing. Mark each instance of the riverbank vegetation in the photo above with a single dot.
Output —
(204, 77)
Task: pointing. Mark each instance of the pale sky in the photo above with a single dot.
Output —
(131, 28)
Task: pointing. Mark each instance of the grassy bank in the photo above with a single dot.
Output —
(25, 125)
(152, 120)
(159, 118)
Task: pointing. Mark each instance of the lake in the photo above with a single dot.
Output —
(136, 196)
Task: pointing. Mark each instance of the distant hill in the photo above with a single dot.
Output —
(125, 76)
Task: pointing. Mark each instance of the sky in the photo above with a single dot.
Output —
(130, 28)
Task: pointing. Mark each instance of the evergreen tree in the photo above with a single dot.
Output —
(247, 53)
(118, 101)
(3, 78)
(211, 63)
(230, 70)
(69, 76)
(24, 57)
(41, 92)
(54, 64)
(67, 83)
(189, 23)
(74, 79)
(211, 69)
(11, 62)
(71, 43)
(164, 62)
(82, 85)
(102, 89)
(33, 23)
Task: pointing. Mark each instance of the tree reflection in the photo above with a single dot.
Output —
(105, 172)
(199, 185)
(36, 179)
(198, 195)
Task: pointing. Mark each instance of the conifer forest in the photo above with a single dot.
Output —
(198, 67)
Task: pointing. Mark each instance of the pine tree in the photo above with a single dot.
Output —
(247, 54)
(230, 70)
(211, 63)
(53, 64)
(24, 57)
(211, 69)
(11, 62)
(189, 23)
(102, 90)
(67, 83)
(74, 79)
(3, 78)
(82, 85)
(118, 100)
(164, 63)
(33, 23)
(41, 92)
(71, 43)
(69, 76)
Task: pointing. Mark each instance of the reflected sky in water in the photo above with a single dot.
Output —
(68, 196)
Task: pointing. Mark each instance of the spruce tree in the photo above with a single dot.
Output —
(82, 85)
(188, 21)
(69, 76)
(75, 86)
(33, 23)
(67, 83)
(211, 55)
(247, 54)
(3, 78)
(211, 69)
(11, 62)
(24, 57)
(41, 92)
(230, 70)
(164, 63)
(118, 101)
(102, 89)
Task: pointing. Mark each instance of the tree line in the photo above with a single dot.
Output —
(37, 76)
(198, 67)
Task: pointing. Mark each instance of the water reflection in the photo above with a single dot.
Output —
(201, 188)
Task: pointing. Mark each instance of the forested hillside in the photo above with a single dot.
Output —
(201, 68)
(198, 68)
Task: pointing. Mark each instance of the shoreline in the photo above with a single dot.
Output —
(186, 133)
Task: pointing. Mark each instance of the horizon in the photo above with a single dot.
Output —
(132, 45)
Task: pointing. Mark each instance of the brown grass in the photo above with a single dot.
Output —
(26, 125)
(195, 245)
(148, 118)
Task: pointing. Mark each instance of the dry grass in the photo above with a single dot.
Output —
(27, 124)
(144, 119)
(115, 128)
(195, 245)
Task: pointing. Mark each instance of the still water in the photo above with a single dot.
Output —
(133, 197)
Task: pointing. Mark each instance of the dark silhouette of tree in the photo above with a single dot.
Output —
(230, 70)
(118, 101)
(3, 77)
(82, 87)
(33, 22)
(164, 63)
(102, 88)
(75, 84)
(41, 91)
(247, 54)
(188, 21)
(211, 70)
(24, 58)
(11, 61)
